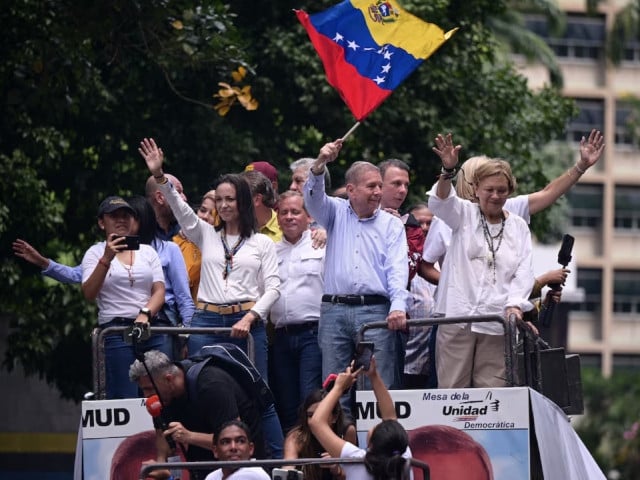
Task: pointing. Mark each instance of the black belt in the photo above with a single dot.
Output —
(296, 327)
(356, 299)
(125, 322)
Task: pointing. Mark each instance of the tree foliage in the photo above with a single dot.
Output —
(82, 83)
(610, 428)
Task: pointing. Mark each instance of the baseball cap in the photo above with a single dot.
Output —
(264, 168)
(113, 203)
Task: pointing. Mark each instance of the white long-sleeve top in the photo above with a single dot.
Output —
(467, 280)
(254, 276)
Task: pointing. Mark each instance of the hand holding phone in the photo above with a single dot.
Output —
(362, 356)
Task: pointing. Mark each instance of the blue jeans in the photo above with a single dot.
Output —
(298, 362)
(339, 326)
(203, 318)
(118, 357)
(274, 438)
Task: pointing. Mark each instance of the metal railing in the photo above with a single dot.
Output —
(97, 343)
(531, 342)
(214, 465)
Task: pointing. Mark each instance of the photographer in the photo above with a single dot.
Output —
(128, 287)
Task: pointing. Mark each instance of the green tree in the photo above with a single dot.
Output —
(83, 83)
(610, 427)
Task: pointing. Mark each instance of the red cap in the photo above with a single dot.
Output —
(154, 407)
(264, 168)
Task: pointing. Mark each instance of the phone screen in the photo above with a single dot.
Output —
(362, 356)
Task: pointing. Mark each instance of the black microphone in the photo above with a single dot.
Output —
(564, 257)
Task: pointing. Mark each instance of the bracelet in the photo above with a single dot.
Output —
(104, 263)
(579, 170)
(163, 181)
(157, 177)
(448, 173)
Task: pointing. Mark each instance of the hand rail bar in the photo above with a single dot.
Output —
(145, 469)
(511, 327)
(97, 344)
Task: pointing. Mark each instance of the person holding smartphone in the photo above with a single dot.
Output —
(128, 288)
(387, 444)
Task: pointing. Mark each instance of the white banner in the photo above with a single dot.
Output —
(494, 421)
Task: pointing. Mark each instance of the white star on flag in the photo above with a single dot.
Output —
(379, 80)
(353, 45)
(338, 38)
(386, 68)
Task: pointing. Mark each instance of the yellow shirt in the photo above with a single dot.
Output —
(192, 259)
(272, 229)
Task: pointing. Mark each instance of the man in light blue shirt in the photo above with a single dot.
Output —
(366, 270)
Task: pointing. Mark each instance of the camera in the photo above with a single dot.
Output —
(362, 355)
(283, 474)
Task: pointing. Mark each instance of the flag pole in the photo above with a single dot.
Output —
(351, 130)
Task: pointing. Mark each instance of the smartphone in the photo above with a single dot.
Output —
(284, 474)
(362, 355)
(132, 242)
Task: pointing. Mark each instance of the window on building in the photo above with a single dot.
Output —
(626, 117)
(626, 292)
(586, 205)
(590, 116)
(627, 212)
(590, 279)
(583, 39)
(631, 52)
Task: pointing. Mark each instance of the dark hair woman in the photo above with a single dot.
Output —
(388, 444)
(239, 280)
(301, 443)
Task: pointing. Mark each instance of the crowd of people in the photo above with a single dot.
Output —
(301, 272)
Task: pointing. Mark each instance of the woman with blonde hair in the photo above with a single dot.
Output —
(488, 271)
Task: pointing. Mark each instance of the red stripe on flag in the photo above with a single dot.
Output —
(361, 94)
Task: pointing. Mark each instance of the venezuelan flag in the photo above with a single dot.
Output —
(368, 47)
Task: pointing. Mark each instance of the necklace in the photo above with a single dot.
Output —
(229, 253)
(129, 269)
(489, 239)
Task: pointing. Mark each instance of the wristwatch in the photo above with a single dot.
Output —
(147, 312)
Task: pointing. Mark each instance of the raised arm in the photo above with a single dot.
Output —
(590, 152)
(385, 402)
(328, 153)
(320, 422)
(449, 155)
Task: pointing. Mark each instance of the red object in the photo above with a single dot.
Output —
(361, 94)
(330, 378)
(154, 407)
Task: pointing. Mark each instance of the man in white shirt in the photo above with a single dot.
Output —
(233, 443)
(295, 349)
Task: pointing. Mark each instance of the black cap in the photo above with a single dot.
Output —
(113, 203)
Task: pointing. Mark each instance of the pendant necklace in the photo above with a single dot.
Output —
(129, 269)
(229, 253)
(490, 241)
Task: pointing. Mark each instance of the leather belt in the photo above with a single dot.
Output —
(225, 308)
(356, 299)
(296, 327)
